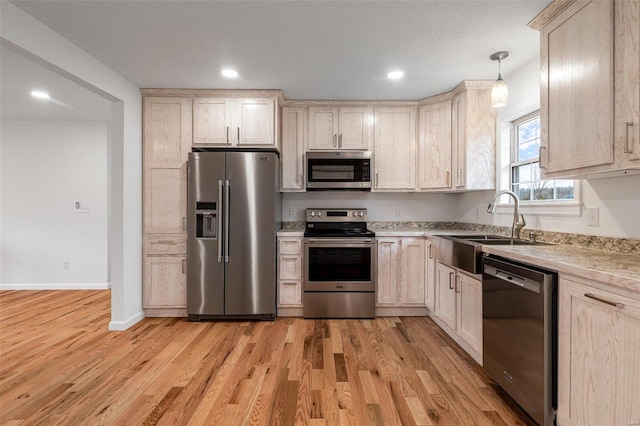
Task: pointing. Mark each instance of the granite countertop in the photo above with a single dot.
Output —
(294, 232)
(616, 269)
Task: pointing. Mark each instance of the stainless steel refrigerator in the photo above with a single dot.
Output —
(233, 208)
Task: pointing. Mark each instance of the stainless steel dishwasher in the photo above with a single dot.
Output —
(519, 325)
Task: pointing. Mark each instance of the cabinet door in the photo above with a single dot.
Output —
(167, 140)
(395, 148)
(165, 282)
(294, 121)
(627, 81)
(469, 310)
(212, 121)
(445, 294)
(388, 257)
(253, 122)
(413, 271)
(323, 128)
(430, 284)
(459, 137)
(434, 163)
(599, 365)
(576, 53)
(356, 128)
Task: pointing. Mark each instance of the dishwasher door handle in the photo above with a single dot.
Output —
(525, 283)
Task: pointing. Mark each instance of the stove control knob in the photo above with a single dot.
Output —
(312, 214)
(361, 214)
(319, 214)
(353, 214)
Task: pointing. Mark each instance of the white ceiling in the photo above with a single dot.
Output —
(309, 49)
(69, 101)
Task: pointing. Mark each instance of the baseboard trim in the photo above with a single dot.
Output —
(56, 286)
(123, 325)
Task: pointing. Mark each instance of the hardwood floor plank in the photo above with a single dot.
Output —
(59, 365)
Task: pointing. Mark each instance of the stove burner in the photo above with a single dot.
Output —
(337, 223)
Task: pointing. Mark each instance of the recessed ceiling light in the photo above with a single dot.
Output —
(229, 73)
(395, 75)
(40, 94)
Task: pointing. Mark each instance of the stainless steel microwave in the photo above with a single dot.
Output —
(338, 170)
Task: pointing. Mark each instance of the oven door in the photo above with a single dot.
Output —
(344, 264)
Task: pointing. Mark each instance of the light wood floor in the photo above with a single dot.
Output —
(60, 365)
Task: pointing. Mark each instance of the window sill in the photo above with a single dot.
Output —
(542, 208)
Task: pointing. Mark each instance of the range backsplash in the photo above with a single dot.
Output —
(615, 245)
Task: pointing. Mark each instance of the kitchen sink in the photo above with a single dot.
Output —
(465, 251)
(507, 242)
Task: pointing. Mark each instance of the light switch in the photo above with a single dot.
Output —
(82, 207)
(593, 216)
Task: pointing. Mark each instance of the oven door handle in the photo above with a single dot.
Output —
(337, 240)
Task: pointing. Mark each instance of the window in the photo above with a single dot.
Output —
(524, 167)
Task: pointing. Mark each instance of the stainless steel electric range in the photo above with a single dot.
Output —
(340, 264)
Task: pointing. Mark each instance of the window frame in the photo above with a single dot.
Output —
(505, 153)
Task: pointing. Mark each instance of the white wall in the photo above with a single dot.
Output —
(617, 199)
(382, 207)
(124, 151)
(47, 167)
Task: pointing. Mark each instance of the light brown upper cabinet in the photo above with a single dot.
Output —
(294, 135)
(395, 149)
(590, 55)
(434, 148)
(224, 122)
(167, 142)
(333, 128)
(474, 136)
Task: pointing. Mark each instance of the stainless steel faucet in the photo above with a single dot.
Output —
(518, 219)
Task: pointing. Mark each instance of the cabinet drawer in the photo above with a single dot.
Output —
(290, 246)
(165, 245)
(290, 268)
(290, 292)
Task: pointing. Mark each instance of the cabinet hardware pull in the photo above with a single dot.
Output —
(184, 265)
(430, 254)
(448, 178)
(184, 223)
(540, 162)
(457, 284)
(335, 138)
(238, 134)
(376, 180)
(340, 141)
(628, 150)
(227, 134)
(450, 281)
(459, 176)
(608, 302)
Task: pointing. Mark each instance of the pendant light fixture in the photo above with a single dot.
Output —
(499, 92)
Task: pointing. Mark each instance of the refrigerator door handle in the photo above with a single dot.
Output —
(219, 210)
(226, 221)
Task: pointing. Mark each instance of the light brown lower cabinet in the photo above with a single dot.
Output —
(458, 307)
(165, 282)
(290, 276)
(598, 356)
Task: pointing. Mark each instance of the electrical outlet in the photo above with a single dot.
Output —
(477, 213)
(292, 213)
(593, 216)
(65, 264)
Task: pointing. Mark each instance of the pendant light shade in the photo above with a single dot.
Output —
(499, 92)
